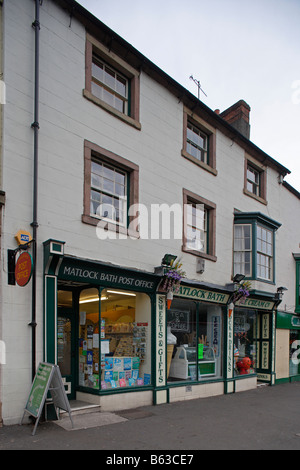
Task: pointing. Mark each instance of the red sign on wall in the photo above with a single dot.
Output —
(23, 269)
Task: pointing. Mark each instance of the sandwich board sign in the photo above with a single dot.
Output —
(47, 379)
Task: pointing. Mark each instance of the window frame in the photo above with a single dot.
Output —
(210, 207)
(243, 251)
(256, 219)
(105, 192)
(263, 253)
(106, 87)
(202, 149)
(95, 48)
(209, 131)
(94, 152)
(297, 290)
(261, 171)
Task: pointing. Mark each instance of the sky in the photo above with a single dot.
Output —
(236, 49)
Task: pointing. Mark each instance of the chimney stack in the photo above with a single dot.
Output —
(238, 116)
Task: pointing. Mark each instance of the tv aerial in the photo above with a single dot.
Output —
(199, 86)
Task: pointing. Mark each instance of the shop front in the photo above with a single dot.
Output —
(254, 338)
(215, 346)
(100, 328)
(287, 347)
(120, 345)
(196, 322)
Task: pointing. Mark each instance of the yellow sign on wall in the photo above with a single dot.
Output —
(23, 237)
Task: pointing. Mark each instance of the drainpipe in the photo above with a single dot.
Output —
(35, 126)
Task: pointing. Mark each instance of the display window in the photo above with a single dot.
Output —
(114, 339)
(294, 352)
(194, 341)
(88, 343)
(245, 341)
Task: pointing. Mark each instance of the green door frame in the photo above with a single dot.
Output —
(70, 378)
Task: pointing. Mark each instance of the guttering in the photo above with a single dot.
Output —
(35, 126)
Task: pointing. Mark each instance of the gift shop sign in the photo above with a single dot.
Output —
(160, 341)
(23, 269)
(200, 294)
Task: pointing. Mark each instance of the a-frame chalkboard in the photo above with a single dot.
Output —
(47, 379)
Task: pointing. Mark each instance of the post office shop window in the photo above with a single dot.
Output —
(88, 343)
(111, 83)
(199, 142)
(199, 224)
(194, 341)
(125, 339)
(245, 341)
(111, 185)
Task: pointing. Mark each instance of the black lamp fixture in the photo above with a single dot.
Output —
(279, 293)
(167, 259)
(238, 278)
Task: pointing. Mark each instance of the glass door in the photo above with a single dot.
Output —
(66, 349)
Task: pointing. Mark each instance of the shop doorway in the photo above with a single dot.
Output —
(66, 348)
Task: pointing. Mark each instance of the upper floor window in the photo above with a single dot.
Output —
(199, 142)
(254, 246)
(199, 226)
(111, 186)
(196, 227)
(196, 143)
(265, 253)
(108, 192)
(255, 180)
(243, 249)
(111, 83)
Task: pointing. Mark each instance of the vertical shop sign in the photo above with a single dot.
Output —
(265, 326)
(230, 346)
(216, 335)
(160, 341)
(265, 344)
(265, 355)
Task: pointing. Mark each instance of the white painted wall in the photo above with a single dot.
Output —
(66, 119)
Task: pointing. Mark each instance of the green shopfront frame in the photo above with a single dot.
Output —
(291, 322)
(76, 275)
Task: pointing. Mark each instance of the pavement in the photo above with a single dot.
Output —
(266, 418)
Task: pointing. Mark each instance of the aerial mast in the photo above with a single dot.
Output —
(198, 85)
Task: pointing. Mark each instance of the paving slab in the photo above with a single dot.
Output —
(89, 420)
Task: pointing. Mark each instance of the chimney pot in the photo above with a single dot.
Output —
(238, 116)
